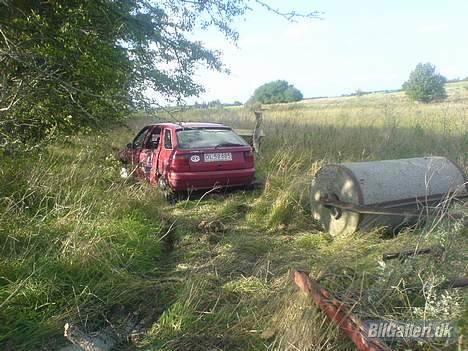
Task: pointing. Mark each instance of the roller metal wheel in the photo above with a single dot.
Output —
(336, 184)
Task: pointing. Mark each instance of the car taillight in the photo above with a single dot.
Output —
(181, 163)
(249, 157)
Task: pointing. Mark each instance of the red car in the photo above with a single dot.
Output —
(190, 156)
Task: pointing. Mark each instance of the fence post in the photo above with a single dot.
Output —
(258, 132)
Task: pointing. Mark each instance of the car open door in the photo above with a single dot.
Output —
(149, 155)
(134, 149)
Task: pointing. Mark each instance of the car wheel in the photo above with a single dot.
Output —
(170, 195)
(162, 183)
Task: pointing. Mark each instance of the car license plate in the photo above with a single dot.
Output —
(221, 156)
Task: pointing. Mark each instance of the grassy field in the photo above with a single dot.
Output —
(374, 126)
(80, 245)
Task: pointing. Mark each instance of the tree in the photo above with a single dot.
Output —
(71, 65)
(66, 66)
(424, 84)
(214, 104)
(278, 91)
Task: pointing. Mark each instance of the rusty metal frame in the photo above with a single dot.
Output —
(380, 209)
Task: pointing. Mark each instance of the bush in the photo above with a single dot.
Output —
(424, 84)
(278, 91)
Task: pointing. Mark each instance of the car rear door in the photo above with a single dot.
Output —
(167, 149)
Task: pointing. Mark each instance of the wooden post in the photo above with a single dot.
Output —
(258, 132)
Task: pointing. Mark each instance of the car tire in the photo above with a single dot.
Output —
(170, 195)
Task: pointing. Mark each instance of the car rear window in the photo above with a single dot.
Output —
(200, 138)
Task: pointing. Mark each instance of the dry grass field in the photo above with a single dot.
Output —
(370, 127)
(76, 241)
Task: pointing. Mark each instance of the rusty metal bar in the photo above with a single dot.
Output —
(433, 198)
(363, 209)
(337, 311)
(408, 253)
(455, 283)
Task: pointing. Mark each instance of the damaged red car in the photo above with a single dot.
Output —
(190, 156)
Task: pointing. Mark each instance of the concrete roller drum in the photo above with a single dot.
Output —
(406, 183)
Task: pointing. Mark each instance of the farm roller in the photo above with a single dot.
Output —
(348, 197)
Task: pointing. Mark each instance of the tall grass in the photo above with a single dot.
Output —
(75, 241)
(250, 296)
(370, 127)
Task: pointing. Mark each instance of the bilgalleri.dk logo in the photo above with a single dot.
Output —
(416, 329)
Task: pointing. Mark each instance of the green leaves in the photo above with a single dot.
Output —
(97, 60)
(278, 91)
(424, 84)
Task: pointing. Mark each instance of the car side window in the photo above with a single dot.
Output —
(153, 140)
(140, 138)
(167, 139)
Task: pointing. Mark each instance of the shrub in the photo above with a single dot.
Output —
(424, 84)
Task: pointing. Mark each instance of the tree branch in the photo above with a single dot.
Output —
(291, 16)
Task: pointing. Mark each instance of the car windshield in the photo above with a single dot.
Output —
(199, 138)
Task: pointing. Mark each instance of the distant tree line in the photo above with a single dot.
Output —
(360, 92)
(215, 104)
(424, 85)
(456, 80)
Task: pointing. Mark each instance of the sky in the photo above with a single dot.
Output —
(362, 44)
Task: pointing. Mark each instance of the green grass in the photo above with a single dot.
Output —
(76, 240)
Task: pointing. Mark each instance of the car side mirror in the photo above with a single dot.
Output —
(130, 146)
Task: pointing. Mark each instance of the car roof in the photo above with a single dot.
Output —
(189, 125)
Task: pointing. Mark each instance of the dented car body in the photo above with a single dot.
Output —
(190, 156)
